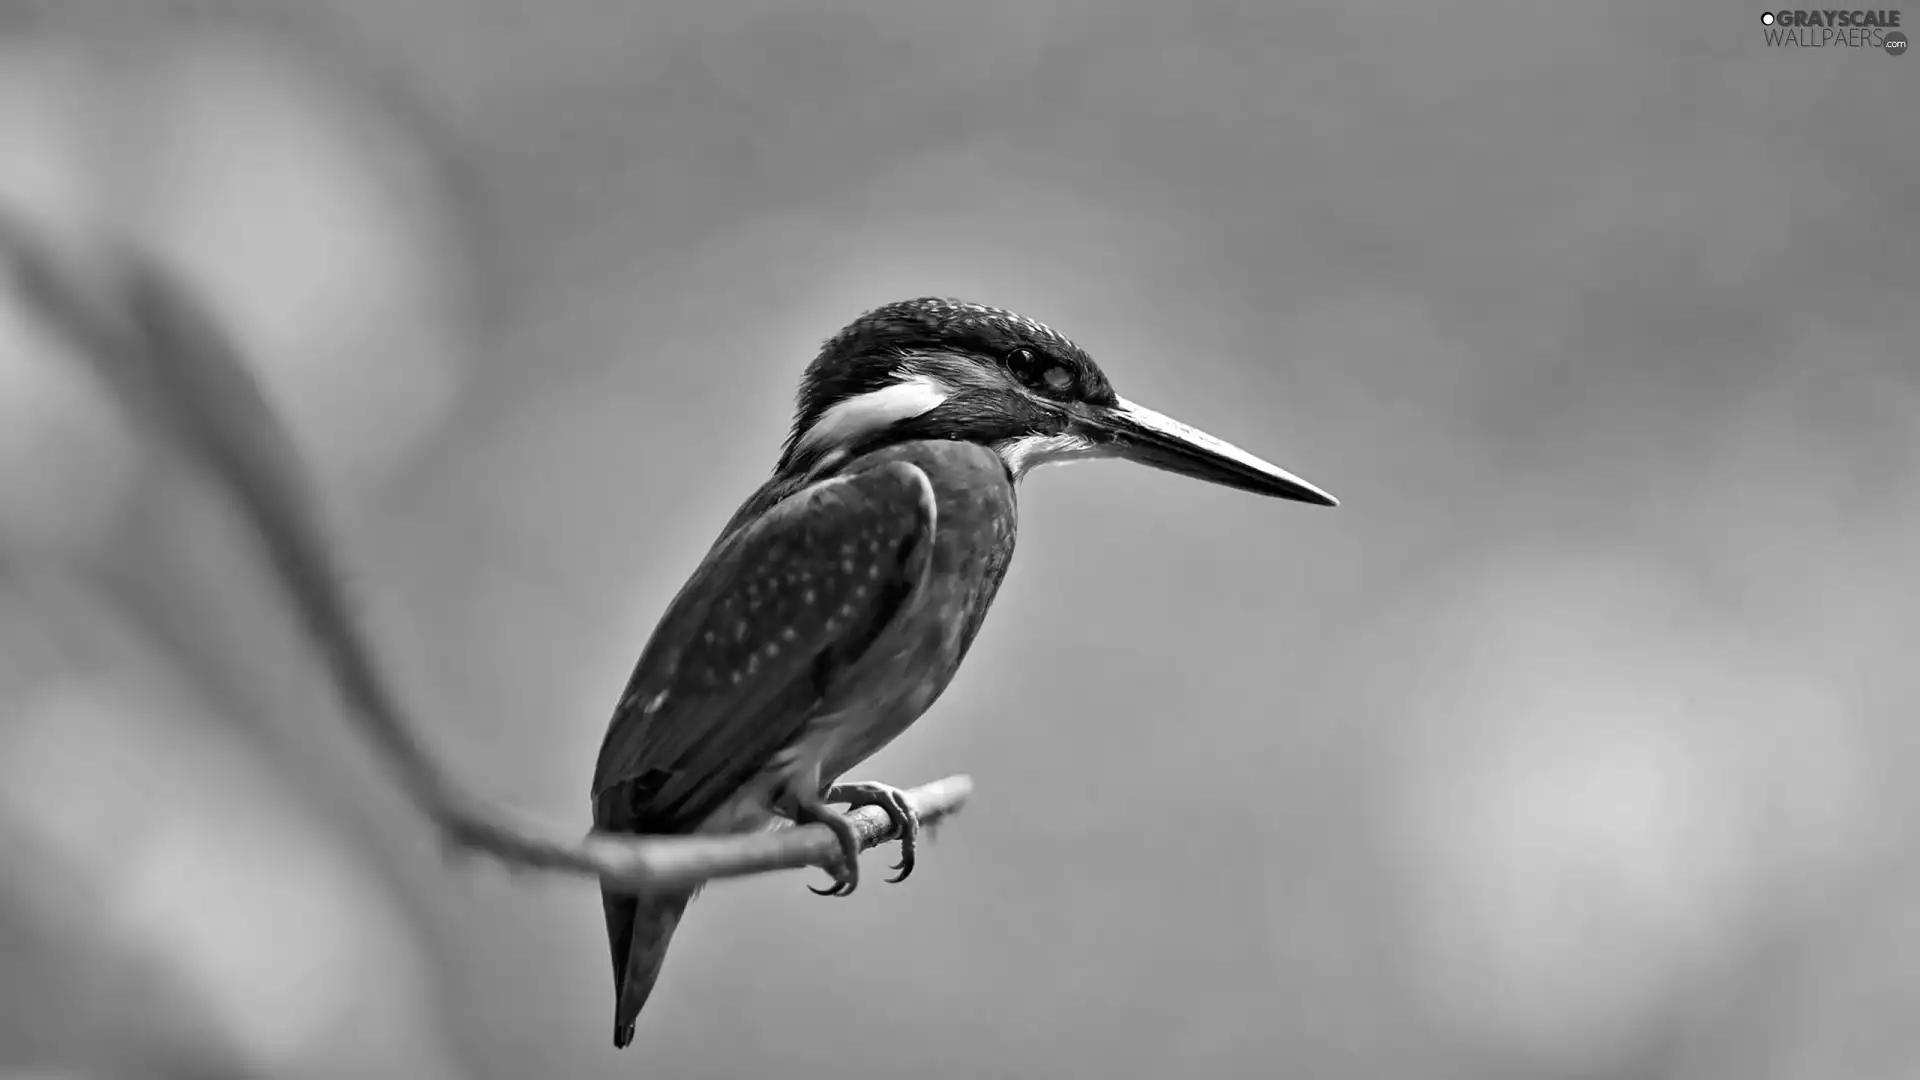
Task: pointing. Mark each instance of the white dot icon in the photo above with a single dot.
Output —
(1766, 18)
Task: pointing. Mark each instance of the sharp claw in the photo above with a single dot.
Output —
(847, 873)
(899, 812)
(909, 843)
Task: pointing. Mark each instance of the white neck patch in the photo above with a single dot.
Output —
(857, 417)
(1029, 452)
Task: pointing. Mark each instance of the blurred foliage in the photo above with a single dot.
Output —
(1572, 745)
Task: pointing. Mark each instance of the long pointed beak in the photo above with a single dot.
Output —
(1140, 434)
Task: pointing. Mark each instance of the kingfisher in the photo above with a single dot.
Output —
(839, 601)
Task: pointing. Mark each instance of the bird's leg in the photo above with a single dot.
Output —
(899, 812)
(808, 808)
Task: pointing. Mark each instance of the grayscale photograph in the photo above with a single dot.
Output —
(534, 542)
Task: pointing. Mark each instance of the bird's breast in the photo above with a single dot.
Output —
(913, 661)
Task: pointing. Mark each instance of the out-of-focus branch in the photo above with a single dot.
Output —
(175, 371)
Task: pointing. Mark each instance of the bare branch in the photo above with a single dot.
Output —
(173, 369)
(644, 864)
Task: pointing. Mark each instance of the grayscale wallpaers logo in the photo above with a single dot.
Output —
(1824, 28)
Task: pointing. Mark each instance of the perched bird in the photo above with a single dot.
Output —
(839, 601)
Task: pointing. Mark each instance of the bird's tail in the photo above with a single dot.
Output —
(638, 930)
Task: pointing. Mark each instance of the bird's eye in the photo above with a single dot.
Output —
(1039, 373)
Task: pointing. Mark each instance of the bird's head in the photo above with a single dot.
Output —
(946, 369)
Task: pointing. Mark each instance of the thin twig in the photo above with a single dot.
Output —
(644, 864)
(172, 369)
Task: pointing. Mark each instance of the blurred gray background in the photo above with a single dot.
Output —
(1575, 744)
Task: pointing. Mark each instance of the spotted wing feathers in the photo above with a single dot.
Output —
(751, 645)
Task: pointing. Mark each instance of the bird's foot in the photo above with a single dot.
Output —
(846, 869)
(899, 811)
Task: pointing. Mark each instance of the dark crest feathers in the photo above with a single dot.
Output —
(865, 355)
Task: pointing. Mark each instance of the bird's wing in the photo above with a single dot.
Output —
(748, 649)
